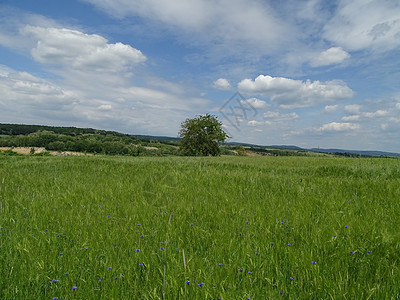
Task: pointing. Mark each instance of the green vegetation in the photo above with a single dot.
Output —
(9, 152)
(83, 140)
(235, 227)
(202, 136)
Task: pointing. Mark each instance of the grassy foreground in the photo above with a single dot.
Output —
(199, 228)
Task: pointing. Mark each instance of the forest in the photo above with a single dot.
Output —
(86, 140)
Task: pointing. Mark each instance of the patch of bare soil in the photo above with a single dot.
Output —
(24, 150)
(248, 153)
(27, 151)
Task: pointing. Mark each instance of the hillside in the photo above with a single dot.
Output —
(89, 140)
(86, 140)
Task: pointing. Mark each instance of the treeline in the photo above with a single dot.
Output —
(21, 129)
(81, 140)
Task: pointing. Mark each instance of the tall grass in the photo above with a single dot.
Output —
(199, 228)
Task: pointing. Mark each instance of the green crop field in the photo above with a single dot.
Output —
(199, 228)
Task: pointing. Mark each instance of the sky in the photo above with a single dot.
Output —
(311, 73)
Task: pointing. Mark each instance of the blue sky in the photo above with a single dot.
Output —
(292, 72)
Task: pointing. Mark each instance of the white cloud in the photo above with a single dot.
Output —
(105, 107)
(334, 126)
(277, 116)
(290, 93)
(256, 103)
(352, 109)
(330, 108)
(276, 119)
(334, 55)
(22, 88)
(77, 50)
(398, 105)
(221, 84)
(234, 25)
(361, 24)
(356, 115)
(351, 118)
(378, 113)
(93, 85)
(122, 107)
(394, 120)
(255, 123)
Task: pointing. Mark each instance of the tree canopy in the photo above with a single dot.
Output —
(202, 136)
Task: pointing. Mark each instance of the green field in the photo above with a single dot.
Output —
(199, 228)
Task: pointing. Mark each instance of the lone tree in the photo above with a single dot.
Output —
(201, 136)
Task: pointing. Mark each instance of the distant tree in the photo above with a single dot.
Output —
(202, 136)
(240, 150)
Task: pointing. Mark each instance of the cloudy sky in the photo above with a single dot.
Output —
(311, 73)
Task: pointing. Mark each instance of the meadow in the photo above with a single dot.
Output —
(199, 228)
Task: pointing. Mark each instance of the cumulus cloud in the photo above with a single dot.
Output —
(26, 89)
(360, 24)
(334, 126)
(255, 123)
(256, 103)
(93, 85)
(81, 51)
(356, 115)
(351, 118)
(221, 84)
(398, 105)
(226, 23)
(352, 109)
(105, 107)
(127, 108)
(26, 98)
(334, 55)
(378, 113)
(330, 108)
(277, 116)
(290, 93)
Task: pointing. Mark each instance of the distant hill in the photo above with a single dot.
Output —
(22, 129)
(158, 138)
(356, 152)
(87, 140)
(111, 142)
